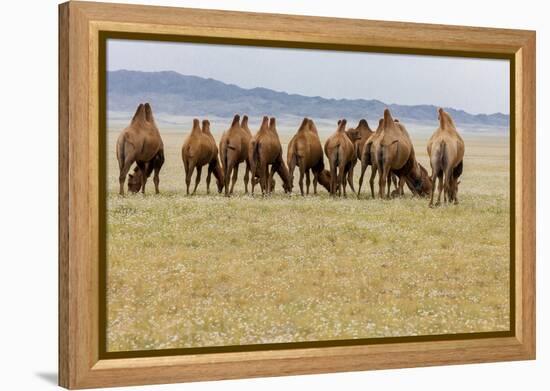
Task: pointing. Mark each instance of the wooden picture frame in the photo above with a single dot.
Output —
(80, 26)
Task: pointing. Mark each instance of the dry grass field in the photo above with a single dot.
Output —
(209, 271)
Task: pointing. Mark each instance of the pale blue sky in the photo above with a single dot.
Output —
(474, 85)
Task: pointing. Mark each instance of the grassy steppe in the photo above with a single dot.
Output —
(206, 270)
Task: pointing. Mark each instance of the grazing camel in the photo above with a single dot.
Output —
(392, 152)
(265, 151)
(134, 179)
(256, 177)
(306, 152)
(233, 151)
(341, 156)
(199, 149)
(140, 142)
(446, 152)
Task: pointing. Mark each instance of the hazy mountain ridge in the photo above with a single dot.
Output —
(174, 93)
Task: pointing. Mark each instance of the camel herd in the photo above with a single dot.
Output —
(388, 150)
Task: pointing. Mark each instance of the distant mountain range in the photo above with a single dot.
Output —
(173, 93)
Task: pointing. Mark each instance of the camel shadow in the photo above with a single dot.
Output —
(48, 377)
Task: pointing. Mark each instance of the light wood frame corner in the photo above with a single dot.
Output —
(80, 24)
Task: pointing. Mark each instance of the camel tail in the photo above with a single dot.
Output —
(440, 159)
(443, 156)
(380, 160)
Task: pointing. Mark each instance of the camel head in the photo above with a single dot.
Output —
(134, 180)
(419, 181)
(354, 134)
(445, 120)
(324, 179)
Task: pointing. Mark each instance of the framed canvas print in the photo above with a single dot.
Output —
(251, 195)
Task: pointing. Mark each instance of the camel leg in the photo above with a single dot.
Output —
(188, 175)
(227, 177)
(197, 179)
(388, 181)
(123, 173)
(291, 167)
(315, 181)
(308, 182)
(455, 190)
(301, 180)
(341, 179)
(247, 177)
(350, 176)
(394, 180)
(143, 167)
(434, 178)
(383, 177)
(363, 169)
(263, 177)
(333, 178)
(156, 179)
(235, 176)
(208, 177)
(447, 185)
(371, 180)
(401, 184)
(270, 178)
(439, 189)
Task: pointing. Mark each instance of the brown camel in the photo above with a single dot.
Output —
(140, 142)
(392, 152)
(199, 149)
(134, 179)
(265, 151)
(359, 136)
(256, 177)
(233, 151)
(306, 152)
(418, 181)
(446, 151)
(341, 156)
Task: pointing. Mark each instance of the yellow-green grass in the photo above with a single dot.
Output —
(210, 271)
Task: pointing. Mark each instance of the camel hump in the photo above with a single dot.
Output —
(205, 126)
(363, 122)
(148, 112)
(305, 122)
(388, 119)
(445, 120)
(272, 123)
(244, 122)
(196, 126)
(265, 122)
(342, 125)
(139, 114)
(312, 125)
(236, 120)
